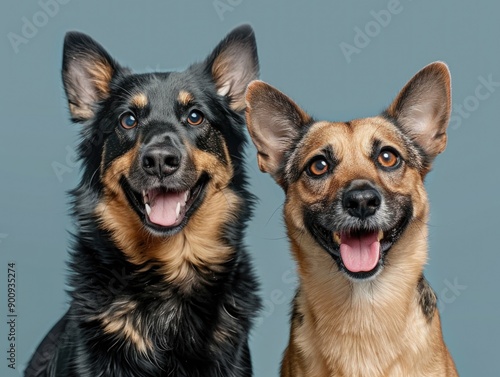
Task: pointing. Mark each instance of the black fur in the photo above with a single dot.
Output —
(427, 298)
(182, 325)
(296, 315)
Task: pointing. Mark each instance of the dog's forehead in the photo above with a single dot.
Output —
(352, 136)
(162, 90)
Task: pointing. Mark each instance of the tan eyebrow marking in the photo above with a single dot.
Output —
(140, 100)
(184, 97)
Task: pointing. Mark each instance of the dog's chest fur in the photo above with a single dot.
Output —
(378, 328)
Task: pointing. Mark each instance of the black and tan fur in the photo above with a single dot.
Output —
(366, 323)
(157, 297)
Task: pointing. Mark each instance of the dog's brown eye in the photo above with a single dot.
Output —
(317, 167)
(195, 117)
(388, 158)
(128, 121)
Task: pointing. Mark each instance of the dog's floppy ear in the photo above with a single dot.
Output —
(233, 64)
(422, 108)
(274, 122)
(87, 71)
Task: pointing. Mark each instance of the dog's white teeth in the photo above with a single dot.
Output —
(336, 237)
(148, 209)
(186, 196)
(380, 235)
(177, 210)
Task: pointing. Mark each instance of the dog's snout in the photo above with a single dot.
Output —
(161, 161)
(362, 202)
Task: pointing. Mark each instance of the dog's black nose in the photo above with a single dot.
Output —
(161, 161)
(362, 202)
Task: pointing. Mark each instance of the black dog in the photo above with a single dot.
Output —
(161, 283)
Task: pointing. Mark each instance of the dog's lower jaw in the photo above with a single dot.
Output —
(369, 328)
(183, 254)
(191, 199)
(359, 252)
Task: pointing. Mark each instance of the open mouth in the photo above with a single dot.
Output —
(359, 253)
(165, 210)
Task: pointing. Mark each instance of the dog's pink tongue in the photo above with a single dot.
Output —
(360, 253)
(164, 208)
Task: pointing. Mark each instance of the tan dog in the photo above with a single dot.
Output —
(356, 212)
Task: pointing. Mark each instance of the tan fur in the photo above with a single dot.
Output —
(101, 74)
(365, 329)
(197, 246)
(118, 320)
(353, 148)
(80, 112)
(261, 136)
(139, 100)
(184, 97)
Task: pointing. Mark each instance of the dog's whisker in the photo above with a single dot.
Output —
(274, 212)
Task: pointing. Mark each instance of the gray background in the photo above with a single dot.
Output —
(299, 48)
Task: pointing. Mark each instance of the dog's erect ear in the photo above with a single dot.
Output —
(423, 107)
(233, 64)
(87, 72)
(274, 122)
